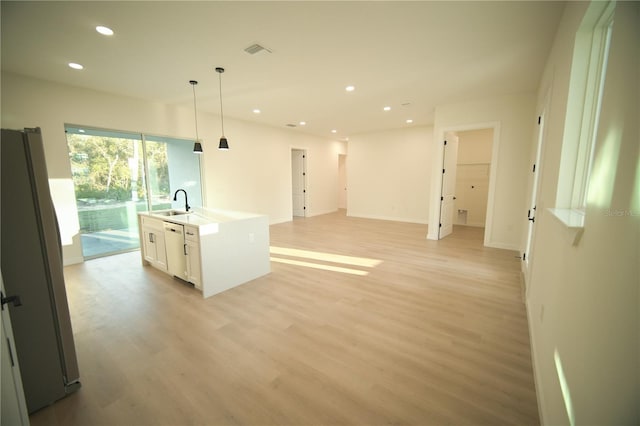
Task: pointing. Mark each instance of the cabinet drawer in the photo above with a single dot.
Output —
(191, 233)
(151, 222)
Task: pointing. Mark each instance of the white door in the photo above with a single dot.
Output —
(13, 410)
(342, 181)
(447, 196)
(534, 182)
(298, 176)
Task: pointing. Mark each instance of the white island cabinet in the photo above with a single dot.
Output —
(153, 244)
(222, 249)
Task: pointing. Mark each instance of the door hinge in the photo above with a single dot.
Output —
(304, 174)
(304, 208)
(440, 225)
(442, 171)
(441, 198)
(304, 156)
(304, 191)
(445, 142)
(524, 256)
(534, 168)
(539, 119)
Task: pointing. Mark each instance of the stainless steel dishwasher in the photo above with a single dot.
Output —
(176, 258)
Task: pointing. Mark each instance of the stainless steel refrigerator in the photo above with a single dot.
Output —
(31, 262)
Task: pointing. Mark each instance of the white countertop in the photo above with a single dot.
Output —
(207, 220)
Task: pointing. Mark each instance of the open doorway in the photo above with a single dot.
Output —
(472, 177)
(299, 182)
(467, 185)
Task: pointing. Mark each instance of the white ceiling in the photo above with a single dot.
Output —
(421, 53)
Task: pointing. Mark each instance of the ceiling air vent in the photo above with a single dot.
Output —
(255, 48)
(291, 125)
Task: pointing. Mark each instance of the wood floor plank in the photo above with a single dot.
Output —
(429, 333)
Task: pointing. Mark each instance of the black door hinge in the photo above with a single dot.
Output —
(441, 198)
(524, 256)
(539, 119)
(445, 142)
(534, 168)
(440, 226)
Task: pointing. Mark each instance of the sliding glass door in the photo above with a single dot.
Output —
(118, 174)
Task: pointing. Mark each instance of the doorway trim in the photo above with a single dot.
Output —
(436, 187)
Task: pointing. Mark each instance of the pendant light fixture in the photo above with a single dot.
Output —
(197, 146)
(224, 145)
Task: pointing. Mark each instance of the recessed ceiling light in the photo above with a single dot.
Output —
(81, 130)
(387, 108)
(256, 111)
(350, 88)
(409, 121)
(334, 131)
(303, 123)
(104, 30)
(75, 66)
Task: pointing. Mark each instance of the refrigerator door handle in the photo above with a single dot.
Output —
(10, 299)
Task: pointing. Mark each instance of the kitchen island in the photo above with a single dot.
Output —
(213, 249)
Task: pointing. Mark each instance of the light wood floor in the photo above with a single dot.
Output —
(435, 334)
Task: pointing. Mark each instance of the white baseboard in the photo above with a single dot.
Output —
(500, 245)
(390, 218)
(537, 380)
(318, 213)
(72, 261)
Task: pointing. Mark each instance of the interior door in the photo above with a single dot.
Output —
(447, 196)
(298, 175)
(534, 182)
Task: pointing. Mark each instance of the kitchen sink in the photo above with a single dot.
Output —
(169, 212)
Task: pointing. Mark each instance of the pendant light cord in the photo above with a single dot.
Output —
(195, 108)
(221, 113)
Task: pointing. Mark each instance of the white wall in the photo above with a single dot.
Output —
(254, 175)
(388, 175)
(583, 300)
(514, 117)
(474, 146)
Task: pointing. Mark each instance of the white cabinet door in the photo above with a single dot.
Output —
(153, 246)
(149, 246)
(193, 264)
(161, 252)
(192, 242)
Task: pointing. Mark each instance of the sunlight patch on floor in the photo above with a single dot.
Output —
(327, 257)
(320, 266)
(347, 261)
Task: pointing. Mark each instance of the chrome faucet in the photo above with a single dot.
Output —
(186, 202)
